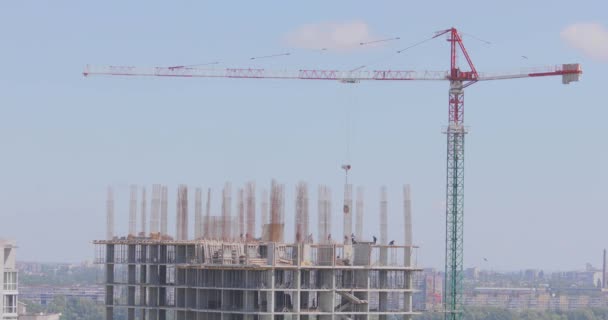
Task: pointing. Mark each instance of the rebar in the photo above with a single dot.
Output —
(207, 227)
(198, 213)
(226, 214)
(144, 219)
(347, 218)
(383, 216)
(359, 213)
(407, 212)
(155, 215)
(324, 212)
(182, 213)
(250, 209)
(133, 212)
(163, 212)
(264, 209)
(241, 213)
(110, 214)
(301, 219)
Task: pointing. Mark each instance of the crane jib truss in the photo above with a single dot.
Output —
(319, 74)
(455, 131)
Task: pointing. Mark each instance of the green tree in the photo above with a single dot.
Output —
(71, 308)
(581, 315)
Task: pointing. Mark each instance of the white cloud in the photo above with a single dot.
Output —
(590, 38)
(330, 35)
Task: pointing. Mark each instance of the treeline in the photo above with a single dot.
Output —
(70, 308)
(85, 309)
(61, 276)
(488, 313)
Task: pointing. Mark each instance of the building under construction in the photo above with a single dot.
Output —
(229, 270)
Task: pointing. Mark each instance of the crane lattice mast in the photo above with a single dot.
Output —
(455, 178)
(455, 131)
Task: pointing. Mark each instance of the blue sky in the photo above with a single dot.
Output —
(535, 155)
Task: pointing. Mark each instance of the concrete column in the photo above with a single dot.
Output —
(296, 300)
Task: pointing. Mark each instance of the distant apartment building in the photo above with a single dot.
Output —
(540, 299)
(471, 273)
(429, 294)
(45, 294)
(29, 268)
(587, 279)
(532, 275)
(8, 281)
(24, 315)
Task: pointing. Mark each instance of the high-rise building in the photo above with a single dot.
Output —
(223, 280)
(429, 290)
(226, 274)
(8, 281)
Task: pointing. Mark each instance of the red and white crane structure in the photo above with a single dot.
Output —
(458, 80)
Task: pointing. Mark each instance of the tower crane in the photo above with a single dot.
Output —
(458, 79)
